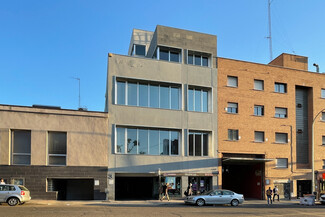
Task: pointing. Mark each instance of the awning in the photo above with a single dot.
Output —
(246, 159)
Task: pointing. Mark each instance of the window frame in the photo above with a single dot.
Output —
(13, 154)
(134, 50)
(279, 166)
(255, 137)
(202, 90)
(279, 115)
(232, 109)
(202, 134)
(278, 141)
(148, 141)
(278, 86)
(228, 81)
(149, 84)
(262, 82)
(156, 54)
(233, 136)
(257, 108)
(201, 54)
(57, 155)
(322, 93)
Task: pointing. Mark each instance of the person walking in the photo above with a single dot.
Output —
(269, 195)
(165, 192)
(189, 190)
(276, 193)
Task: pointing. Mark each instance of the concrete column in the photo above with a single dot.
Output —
(184, 184)
(215, 182)
(110, 193)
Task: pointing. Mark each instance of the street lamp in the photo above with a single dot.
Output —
(312, 153)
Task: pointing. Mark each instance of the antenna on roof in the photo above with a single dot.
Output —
(78, 79)
(270, 34)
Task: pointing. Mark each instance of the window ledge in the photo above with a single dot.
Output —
(258, 116)
(282, 118)
(257, 90)
(197, 112)
(232, 86)
(281, 143)
(280, 92)
(258, 142)
(231, 140)
(231, 113)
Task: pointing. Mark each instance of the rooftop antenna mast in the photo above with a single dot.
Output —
(78, 79)
(270, 33)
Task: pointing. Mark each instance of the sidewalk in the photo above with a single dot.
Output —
(147, 203)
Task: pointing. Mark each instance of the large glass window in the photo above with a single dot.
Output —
(21, 147)
(147, 141)
(198, 144)
(57, 148)
(197, 99)
(280, 112)
(148, 95)
(233, 135)
(258, 110)
(168, 54)
(280, 87)
(197, 58)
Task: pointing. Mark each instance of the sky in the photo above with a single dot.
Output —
(46, 44)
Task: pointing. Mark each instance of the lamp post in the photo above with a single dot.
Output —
(312, 152)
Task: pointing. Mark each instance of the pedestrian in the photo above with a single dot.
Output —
(165, 191)
(189, 190)
(2, 182)
(269, 195)
(276, 193)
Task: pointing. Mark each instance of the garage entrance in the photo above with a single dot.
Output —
(136, 188)
(244, 174)
(72, 189)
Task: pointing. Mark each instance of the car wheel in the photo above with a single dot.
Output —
(12, 201)
(234, 202)
(200, 202)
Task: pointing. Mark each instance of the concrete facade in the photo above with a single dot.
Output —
(86, 147)
(163, 72)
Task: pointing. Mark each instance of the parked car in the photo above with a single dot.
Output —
(14, 194)
(219, 196)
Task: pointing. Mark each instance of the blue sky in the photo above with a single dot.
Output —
(44, 43)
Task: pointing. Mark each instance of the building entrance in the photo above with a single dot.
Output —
(244, 175)
(303, 187)
(136, 188)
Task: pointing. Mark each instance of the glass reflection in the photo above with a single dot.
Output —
(143, 95)
(132, 93)
(164, 142)
(174, 142)
(132, 141)
(198, 100)
(154, 96)
(154, 142)
(190, 100)
(174, 98)
(143, 141)
(121, 93)
(120, 146)
(164, 97)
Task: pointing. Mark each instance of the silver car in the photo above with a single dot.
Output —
(14, 194)
(219, 196)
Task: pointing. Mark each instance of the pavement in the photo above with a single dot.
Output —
(149, 203)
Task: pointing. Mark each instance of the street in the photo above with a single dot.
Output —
(98, 209)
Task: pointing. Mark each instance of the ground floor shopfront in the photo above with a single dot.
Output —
(147, 186)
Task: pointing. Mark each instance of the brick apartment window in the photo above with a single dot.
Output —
(281, 137)
(17, 181)
(198, 143)
(21, 147)
(232, 81)
(323, 140)
(323, 116)
(323, 164)
(280, 112)
(57, 148)
(282, 162)
(280, 87)
(233, 135)
(198, 59)
(259, 136)
(323, 93)
(232, 108)
(197, 99)
(258, 110)
(258, 84)
(138, 50)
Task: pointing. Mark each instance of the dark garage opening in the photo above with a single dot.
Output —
(244, 178)
(72, 189)
(136, 188)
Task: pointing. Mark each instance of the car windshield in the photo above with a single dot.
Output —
(23, 188)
